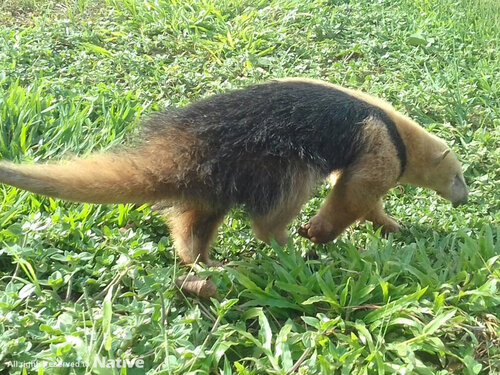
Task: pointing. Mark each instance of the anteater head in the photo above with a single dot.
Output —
(445, 176)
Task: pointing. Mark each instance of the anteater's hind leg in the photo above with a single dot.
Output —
(193, 230)
(380, 219)
(274, 225)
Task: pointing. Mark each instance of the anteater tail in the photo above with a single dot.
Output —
(102, 178)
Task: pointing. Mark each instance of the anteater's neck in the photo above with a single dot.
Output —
(421, 148)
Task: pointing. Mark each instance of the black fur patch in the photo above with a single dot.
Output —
(258, 137)
(396, 140)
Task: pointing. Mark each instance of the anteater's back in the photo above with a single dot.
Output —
(257, 138)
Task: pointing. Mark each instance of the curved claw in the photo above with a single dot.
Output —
(304, 231)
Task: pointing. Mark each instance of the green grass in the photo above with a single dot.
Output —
(80, 282)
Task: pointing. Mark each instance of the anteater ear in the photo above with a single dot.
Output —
(439, 158)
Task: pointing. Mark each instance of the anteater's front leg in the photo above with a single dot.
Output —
(355, 195)
(380, 219)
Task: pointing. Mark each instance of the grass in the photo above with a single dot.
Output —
(80, 282)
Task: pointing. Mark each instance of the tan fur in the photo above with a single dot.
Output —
(193, 230)
(381, 220)
(142, 175)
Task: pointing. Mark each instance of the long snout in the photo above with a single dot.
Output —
(459, 192)
(460, 202)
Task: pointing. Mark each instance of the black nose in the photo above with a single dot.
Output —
(460, 202)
